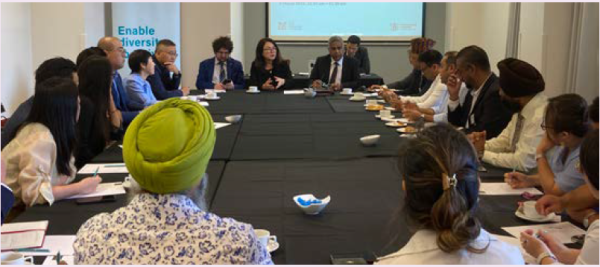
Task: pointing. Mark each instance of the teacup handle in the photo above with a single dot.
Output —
(273, 238)
(28, 258)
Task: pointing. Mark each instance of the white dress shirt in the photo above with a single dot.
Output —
(217, 72)
(339, 72)
(441, 111)
(497, 150)
(422, 248)
(432, 98)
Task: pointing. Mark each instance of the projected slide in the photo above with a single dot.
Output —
(314, 21)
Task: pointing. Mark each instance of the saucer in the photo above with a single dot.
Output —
(548, 218)
(357, 99)
(379, 117)
(407, 130)
(395, 124)
(390, 108)
(252, 92)
(272, 246)
(348, 94)
(212, 98)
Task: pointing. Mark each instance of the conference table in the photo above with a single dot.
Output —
(286, 145)
(300, 80)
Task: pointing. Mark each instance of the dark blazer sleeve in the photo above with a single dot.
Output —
(350, 73)
(456, 117)
(255, 77)
(8, 199)
(318, 69)
(204, 79)
(492, 116)
(237, 75)
(365, 63)
(283, 71)
(171, 83)
(158, 88)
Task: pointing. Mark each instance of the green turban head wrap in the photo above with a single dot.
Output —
(167, 146)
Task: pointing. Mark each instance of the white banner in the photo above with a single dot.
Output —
(142, 25)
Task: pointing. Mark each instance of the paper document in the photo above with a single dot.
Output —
(492, 189)
(104, 168)
(515, 242)
(23, 235)
(303, 73)
(221, 125)
(105, 189)
(55, 243)
(51, 260)
(293, 92)
(203, 103)
(562, 231)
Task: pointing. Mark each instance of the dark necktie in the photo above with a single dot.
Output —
(467, 107)
(222, 75)
(517, 133)
(333, 78)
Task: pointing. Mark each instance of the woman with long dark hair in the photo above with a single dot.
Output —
(39, 160)
(269, 70)
(96, 123)
(439, 172)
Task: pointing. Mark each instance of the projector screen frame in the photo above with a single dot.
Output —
(324, 40)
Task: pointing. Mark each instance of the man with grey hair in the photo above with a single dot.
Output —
(335, 69)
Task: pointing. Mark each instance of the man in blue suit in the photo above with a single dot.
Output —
(115, 53)
(221, 71)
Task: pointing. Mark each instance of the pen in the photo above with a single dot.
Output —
(42, 250)
(96, 172)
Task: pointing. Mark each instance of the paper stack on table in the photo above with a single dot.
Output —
(54, 244)
(221, 125)
(23, 235)
(492, 189)
(515, 242)
(104, 168)
(216, 91)
(562, 231)
(105, 189)
(293, 92)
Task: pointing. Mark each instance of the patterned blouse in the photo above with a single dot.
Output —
(166, 230)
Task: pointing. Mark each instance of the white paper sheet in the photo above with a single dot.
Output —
(50, 260)
(293, 92)
(515, 242)
(105, 189)
(25, 235)
(203, 103)
(55, 243)
(218, 91)
(219, 125)
(562, 231)
(104, 168)
(491, 189)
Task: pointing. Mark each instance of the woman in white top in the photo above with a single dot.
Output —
(548, 250)
(39, 160)
(439, 171)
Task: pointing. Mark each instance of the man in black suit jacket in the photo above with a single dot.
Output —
(360, 53)
(335, 69)
(482, 109)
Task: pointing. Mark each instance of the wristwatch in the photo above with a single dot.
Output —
(545, 255)
(586, 219)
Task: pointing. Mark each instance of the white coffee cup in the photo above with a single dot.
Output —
(264, 236)
(193, 97)
(359, 95)
(347, 90)
(253, 88)
(372, 102)
(530, 211)
(211, 95)
(185, 98)
(14, 258)
(384, 113)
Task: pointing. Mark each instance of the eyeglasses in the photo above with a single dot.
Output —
(270, 49)
(173, 53)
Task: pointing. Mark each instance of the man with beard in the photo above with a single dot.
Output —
(521, 88)
(482, 109)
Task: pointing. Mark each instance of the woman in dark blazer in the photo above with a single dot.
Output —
(269, 71)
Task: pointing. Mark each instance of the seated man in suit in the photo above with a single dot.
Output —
(482, 109)
(221, 71)
(164, 85)
(360, 53)
(335, 69)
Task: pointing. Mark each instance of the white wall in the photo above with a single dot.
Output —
(201, 23)
(94, 23)
(17, 72)
(237, 31)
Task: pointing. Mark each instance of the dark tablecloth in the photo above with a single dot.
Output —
(303, 81)
(305, 136)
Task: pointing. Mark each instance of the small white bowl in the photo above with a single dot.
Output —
(312, 209)
(370, 140)
(233, 118)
